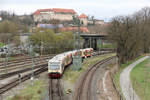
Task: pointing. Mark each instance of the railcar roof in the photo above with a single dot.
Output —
(60, 57)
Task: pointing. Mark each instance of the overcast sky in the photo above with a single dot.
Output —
(101, 9)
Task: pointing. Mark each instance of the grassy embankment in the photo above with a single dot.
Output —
(140, 78)
(72, 76)
(35, 92)
(117, 75)
(105, 46)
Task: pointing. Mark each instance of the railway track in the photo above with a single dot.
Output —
(21, 69)
(16, 82)
(22, 61)
(23, 58)
(84, 89)
(55, 92)
(23, 65)
(10, 74)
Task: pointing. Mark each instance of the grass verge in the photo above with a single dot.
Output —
(123, 66)
(32, 92)
(104, 46)
(140, 78)
(72, 75)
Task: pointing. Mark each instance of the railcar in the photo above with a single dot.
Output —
(57, 64)
(88, 52)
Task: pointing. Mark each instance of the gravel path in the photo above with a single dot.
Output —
(102, 86)
(125, 82)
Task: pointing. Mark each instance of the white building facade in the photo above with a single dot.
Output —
(83, 19)
(55, 13)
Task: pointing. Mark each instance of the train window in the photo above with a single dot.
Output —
(54, 66)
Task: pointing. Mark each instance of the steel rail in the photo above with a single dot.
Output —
(52, 91)
(86, 76)
(16, 82)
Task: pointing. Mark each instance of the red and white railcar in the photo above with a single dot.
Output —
(57, 64)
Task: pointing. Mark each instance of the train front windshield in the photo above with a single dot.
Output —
(55, 66)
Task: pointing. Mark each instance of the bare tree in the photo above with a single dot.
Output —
(131, 34)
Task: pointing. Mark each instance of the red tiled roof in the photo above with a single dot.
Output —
(37, 13)
(82, 16)
(83, 29)
(60, 10)
(41, 10)
(44, 10)
(57, 10)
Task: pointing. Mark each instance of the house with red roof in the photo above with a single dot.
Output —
(54, 13)
(83, 19)
(82, 29)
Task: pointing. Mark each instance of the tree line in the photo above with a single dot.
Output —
(13, 24)
(47, 41)
(131, 34)
(11, 16)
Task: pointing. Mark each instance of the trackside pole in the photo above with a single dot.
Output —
(31, 53)
(77, 60)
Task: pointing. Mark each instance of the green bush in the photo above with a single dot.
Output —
(1, 44)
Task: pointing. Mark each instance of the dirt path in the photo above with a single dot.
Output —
(102, 85)
(125, 82)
